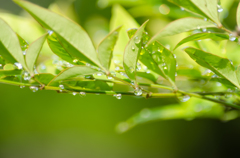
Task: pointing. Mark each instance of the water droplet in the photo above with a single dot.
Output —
(174, 55)
(205, 19)
(118, 96)
(148, 71)
(0, 65)
(133, 48)
(50, 32)
(138, 91)
(137, 40)
(145, 113)
(139, 67)
(74, 93)
(131, 69)
(19, 66)
(75, 60)
(198, 27)
(24, 52)
(82, 94)
(220, 9)
(33, 88)
(165, 68)
(122, 127)
(99, 74)
(231, 37)
(175, 74)
(26, 76)
(117, 68)
(61, 86)
(109, 77)
(182, 9)
(22, 87)
(113, 73)
(204, 30)
(185, 98)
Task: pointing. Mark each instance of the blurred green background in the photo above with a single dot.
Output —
(46, 124)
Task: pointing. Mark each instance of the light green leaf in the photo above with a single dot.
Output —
(105, 48)
(70, 34)
(220, 66)
(120, 17)
(132, 52)
(238, 16)
(44, 78)
(202, 36)
(33, 52)
(182, 25)
(4, 73)
(9, 45)
(238, 74)
(189, 73)
(149, 76)
(205, 8)
(23, 43)
(73, 72)
(57, 49)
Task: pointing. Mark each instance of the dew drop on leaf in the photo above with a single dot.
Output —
(220, 9)
(82, 94)
(19, 66)
(33, 88)
(137, 40)
(61, 86)
(138, 91)
(185, 98)
(50, 32)
(133, 48)
(74, 93)
(118, 96)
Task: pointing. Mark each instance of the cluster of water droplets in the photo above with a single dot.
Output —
(19, 66)
(26, 76)
(219, 8)
(33, 88)
(118, 96)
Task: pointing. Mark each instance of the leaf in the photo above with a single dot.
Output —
(149, 76)
(9, 45)
(205, 8)
(57, 49)
(181, 25)
(132, 52)
(44, 78)
(73, 72)
(238, 74)
(94, 85)
(157, 58)
(33, 52)
(238, 16)
(72, 36)
(220, 66)
(4, 73)
(105, 48)
(202, 36)
(23, 43)
(189, 73)
(120, 17)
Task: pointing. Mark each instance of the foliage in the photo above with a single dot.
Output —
(142, 67)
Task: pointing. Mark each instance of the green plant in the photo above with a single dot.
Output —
(143, 67)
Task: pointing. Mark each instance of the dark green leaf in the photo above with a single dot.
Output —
(132, 52)
(44, 78)
(4, 73)
(220, 66)
(202, 36)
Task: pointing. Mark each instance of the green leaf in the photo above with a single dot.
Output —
(44, 78)
(132, 52)
(157, 58)
(9, 45)
(105, 48)
(238, 74)
(4, 73)
(57, 49)
(23, 43)
(74, 72)
(120, 17)
(220, 66)
(238, 16)
(182, 25)
(33, 52)
(149, 76)
(189, 73)
(72, 36)
(205, 8)
(94, 85)
(202, 36)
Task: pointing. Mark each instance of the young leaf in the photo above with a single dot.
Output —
(57, 49)
(238, 16)
(23, 43)
(33, 52)
(120, 17)
(9, 45)
(182, 25)
(202, 36)
(220, 66)
(105, 48)
(73, 72)
(132, 52)
(4, 73)
(68, 32)
(44, 78)
(205, 8)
